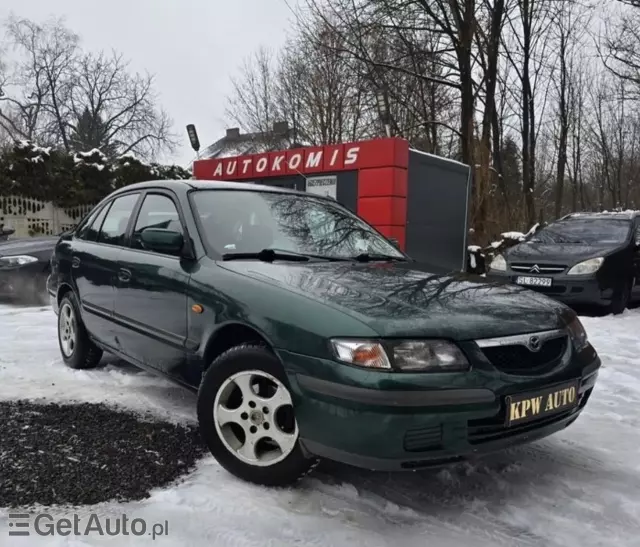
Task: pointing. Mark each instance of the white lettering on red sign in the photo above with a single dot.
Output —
(334, 158)
(261, 165)
(231, 168)
(245, 165)
(218, 170)
(314, 159)
(351, 155)
(295, 161)
(277, 163)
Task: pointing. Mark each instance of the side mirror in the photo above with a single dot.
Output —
(394, 242)
(162, 240)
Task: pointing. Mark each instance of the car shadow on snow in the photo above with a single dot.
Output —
(598, 311)
(551, 470)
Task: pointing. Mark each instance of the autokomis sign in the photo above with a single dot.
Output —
(315, 159)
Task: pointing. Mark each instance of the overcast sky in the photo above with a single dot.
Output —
(192, 46)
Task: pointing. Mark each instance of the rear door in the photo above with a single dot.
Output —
(151, 294)
(94, 263)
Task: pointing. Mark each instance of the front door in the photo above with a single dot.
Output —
(151, 294)
(94, 262)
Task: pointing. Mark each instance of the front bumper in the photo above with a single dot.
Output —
(51, 291)
(569, 289)
(393, 429)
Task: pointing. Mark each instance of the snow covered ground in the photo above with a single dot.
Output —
(578, 488)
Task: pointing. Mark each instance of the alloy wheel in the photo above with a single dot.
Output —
(67, 330)
(253, 415)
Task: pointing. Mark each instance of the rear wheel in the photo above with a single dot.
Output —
(246, 417)
(77, 350)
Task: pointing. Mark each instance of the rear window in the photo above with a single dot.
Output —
(589, 231)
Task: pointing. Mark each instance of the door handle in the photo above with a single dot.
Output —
(75, 262)
(124, 275)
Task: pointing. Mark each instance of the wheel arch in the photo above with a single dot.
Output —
(63, 289)
(232, 334)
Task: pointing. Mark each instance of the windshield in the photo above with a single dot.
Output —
(586, 231)
(248, 222)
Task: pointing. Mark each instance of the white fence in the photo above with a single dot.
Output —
(31, 217)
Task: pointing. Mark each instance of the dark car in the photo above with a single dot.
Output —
(5, 233)
(307, 334)
(24, 268)
(583, 258)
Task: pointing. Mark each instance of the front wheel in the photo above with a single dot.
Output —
(246, 417)
(621, 297)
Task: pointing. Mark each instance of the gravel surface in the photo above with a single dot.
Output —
(53, 454)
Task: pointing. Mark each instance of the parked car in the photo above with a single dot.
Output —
(308, 335)
(583, 258)
(24, 268)
(5, 232)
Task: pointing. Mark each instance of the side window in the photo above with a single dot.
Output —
(114, 227)
(637, 236)
(157, 211)
(92, 225)
(94, 230)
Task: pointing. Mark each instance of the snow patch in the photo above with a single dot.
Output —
(519, 236)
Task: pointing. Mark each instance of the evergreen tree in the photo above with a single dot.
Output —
(89, 133)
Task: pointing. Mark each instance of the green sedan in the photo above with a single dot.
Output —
(308, 335)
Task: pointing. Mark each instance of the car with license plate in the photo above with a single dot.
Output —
(306, 334)
(583, 258)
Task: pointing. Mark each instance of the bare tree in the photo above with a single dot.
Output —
(122, 107)
(252, 103)
(54, 84)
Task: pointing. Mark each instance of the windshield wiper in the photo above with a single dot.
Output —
(370, 257)
(269, 255)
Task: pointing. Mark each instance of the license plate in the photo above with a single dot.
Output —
(534, 281)
(534, 405)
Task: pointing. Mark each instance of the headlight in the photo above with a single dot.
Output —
(578, 334)
(406, 355)
(498, 263)
(15, 261)
(429, 355)
(587, 267)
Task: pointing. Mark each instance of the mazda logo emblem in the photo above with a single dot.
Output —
(534, 343)
(534, 269)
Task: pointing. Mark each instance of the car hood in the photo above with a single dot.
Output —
(554, 252)
(27, 245)
(404, 300)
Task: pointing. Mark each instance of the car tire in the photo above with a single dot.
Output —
(621, 297)
(255, 445)
(77, 350)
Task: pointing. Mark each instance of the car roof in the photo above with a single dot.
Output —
(189, 184)
(612, 215)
